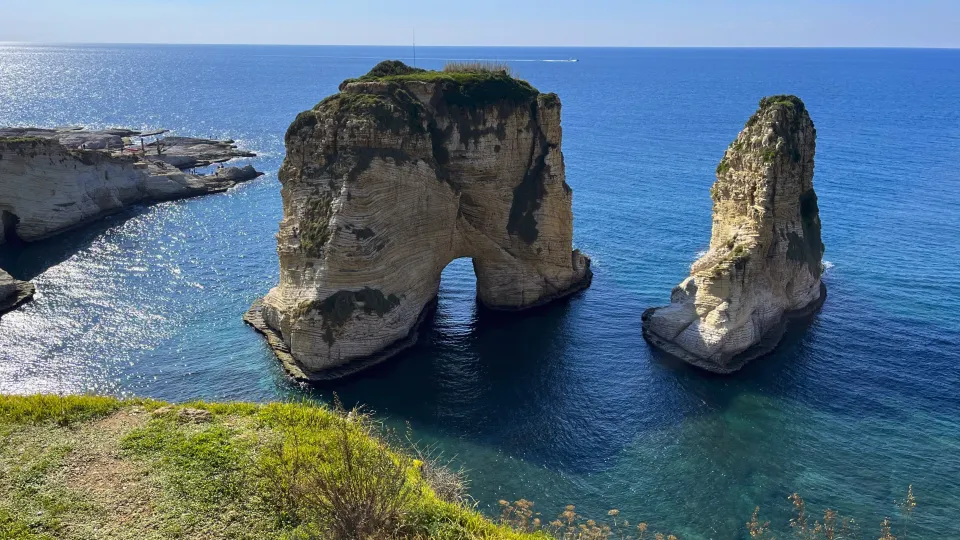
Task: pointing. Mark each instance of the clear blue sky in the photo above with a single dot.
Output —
(753, 23)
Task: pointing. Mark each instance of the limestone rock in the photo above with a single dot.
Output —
(13, 293)
(236, 174)
(50, 180)
(764, 262)
(393, 178)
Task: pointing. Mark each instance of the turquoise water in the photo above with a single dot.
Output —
(565, 404)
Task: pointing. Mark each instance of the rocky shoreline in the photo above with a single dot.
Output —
(405, 170)
(53, 180)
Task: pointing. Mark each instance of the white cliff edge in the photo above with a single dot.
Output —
(54, 180)
(390, 180)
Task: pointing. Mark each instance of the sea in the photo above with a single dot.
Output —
(566, 404)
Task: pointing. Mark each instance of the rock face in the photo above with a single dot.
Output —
(13, 293)
(181, 152)
(48, 186)
(764, 262)
(393, 178)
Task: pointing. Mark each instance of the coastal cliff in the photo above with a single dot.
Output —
(387, 182)
(53, 180)
(764, 262)
(13, 293)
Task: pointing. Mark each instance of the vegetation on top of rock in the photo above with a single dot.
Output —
(475, 66)
(304, 120)
(462, 84)
(550, 100)
(389, 68)
(783, 99)
(395, 111)
(315, 225)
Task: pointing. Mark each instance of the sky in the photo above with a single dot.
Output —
(613, 23)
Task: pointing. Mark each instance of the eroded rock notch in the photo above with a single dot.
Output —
(764, 262)
(387, 182)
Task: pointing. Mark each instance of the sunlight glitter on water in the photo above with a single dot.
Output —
(567, 404)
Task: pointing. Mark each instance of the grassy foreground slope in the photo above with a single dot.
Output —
(89, 467)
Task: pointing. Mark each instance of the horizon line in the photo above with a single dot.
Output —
(852, 47)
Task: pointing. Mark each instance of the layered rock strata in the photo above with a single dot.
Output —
(391, 179)
(54, 180)
(13, 293)
(764, 262)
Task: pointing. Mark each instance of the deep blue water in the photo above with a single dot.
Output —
(566, 404)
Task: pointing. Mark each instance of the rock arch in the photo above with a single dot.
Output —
(390, 180)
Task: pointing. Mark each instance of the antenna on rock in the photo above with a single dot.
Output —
(414, 47)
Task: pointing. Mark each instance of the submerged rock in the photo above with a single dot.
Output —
(53, 180)
(390, 180)
(13, 293)
(764, 263)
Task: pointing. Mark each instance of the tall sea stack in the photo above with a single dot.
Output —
(764, 262)
(387, 182)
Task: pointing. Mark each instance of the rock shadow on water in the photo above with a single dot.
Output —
(788, 371)
(26, 261)
(501, 380)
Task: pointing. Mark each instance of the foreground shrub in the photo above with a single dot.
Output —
(346, 483)
(448, 481)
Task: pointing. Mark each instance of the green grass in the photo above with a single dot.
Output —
(12, 528)
(62, 410)
(84, 466)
